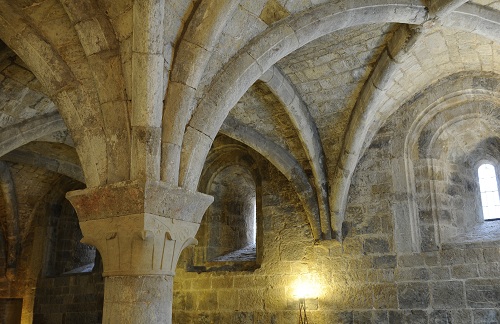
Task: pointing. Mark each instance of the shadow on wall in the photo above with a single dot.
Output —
(10, 310)
(70, 288)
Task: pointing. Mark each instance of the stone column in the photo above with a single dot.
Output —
(140, 230)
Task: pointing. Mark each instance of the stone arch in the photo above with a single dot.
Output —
(60, 84)
(235, 213)
(285, 163)
(261, 53)
(39, 248)
(192, 56)
(468, 17)
(415, 150)
(301, 118)
(29, 130)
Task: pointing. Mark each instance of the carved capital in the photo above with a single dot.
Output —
(141, 244)
(139, 229)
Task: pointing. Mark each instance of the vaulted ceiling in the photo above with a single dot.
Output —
(306, 83)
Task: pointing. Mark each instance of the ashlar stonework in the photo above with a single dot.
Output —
(195, 161)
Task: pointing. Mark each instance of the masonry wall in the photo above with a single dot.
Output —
(362, 280)
(69, 299)
(70, 288)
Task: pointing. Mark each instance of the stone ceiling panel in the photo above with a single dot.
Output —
(329, 73)
(18, 102)
(495, 4)
(31, 184)
(261, 110)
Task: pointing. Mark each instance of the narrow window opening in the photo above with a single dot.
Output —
(234, 237)
(490, 200)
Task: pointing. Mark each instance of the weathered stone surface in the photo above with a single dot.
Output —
(448, 294)
(146, 299)
(404, 99)
(482, 293)
(376, 245)
(413, 295)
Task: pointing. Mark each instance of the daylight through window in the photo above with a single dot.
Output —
(489, 191)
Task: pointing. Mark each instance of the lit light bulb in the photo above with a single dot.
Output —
(306, 287)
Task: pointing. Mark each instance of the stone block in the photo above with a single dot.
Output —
(465, 271)
(412, 274)
(227, 300)
(340, 317)
(265, 318)
(491, 254)
(361, 316)
(431, 258)
(440, 316)
(242, 318)
(411, 260)
(489, 270)
(448, 294)
(250, 299)
(384, 261)
(452, 257)
(413, 295)
(206, 300)
(440, 273)
(486, 315)
(408, 317)
(385, 296)
(380, 317)
(483, 293)
(428, 243)
(461, 316)
(474, 255)
(376, 245)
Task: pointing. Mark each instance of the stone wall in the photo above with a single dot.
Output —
(69, 299)
(70, 288)
(67, 252)
(362, 280)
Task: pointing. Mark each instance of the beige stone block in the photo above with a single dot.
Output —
(126, 60)
(108, 76)
(279, 42)
(19, 74)
(179, 104)
(272, 12)
(147, 89)
(123, 25)
(195, 150)
(221, 282)
(200, 283)
(53, 76)
(228, 300)
(204, 26)
(190, 63)
(169, 165)
(118, 138)
(206, 300)
(250, 300)
(148, 30)
(225, 93)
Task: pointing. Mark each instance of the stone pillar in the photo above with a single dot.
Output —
(140, 229)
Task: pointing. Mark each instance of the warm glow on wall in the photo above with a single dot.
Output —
(306, 286)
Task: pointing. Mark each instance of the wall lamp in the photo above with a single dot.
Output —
(305, 287)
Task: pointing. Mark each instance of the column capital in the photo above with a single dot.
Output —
(139, 228)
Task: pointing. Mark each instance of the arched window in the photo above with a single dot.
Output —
(230, 234)
(490, 200)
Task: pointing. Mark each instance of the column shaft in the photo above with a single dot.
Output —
(137, 300)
